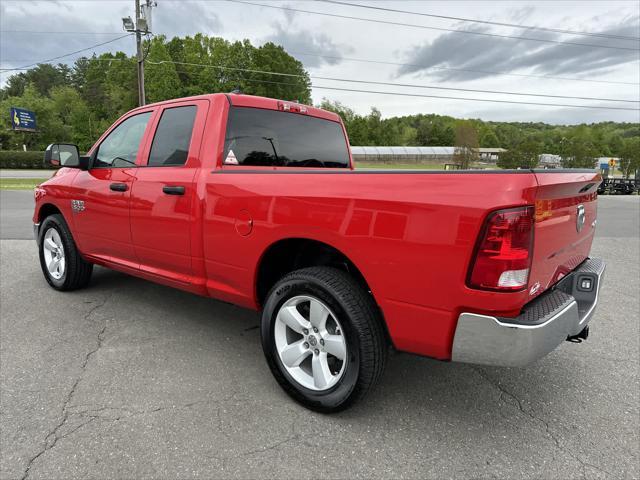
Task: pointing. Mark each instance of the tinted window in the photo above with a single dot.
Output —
(120, 148)
(173, 136)
(272, 138)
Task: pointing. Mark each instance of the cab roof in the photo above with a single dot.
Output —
(242, 100)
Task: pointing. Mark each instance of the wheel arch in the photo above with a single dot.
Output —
(47, 209)
(289, 254)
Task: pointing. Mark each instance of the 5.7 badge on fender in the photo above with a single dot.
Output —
(77, 206)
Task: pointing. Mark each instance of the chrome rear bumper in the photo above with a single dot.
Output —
(543, 324)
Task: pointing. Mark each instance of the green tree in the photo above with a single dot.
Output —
(43, 77)
(75, 117)
(161, 79)
(579, 151)
(273, 58)
(434, 130)
(356, 125)
(47, 121)
(466, 144)
(630, 157)
(522, 155)
(616, 144)
(489, 139)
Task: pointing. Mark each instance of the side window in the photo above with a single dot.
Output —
(170, 145)
(120, 148)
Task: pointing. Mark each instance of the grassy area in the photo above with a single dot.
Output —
(20, 183)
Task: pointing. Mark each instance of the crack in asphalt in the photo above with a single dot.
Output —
(226, 459)
(95, 413)
(125, 413)
(52, 437)
(92, 414)
(531, 414)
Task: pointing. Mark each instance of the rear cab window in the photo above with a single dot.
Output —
(171, 141)
(272, 138)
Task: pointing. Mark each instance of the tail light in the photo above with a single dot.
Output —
(503, 254)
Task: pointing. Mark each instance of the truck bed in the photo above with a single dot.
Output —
(410, 233)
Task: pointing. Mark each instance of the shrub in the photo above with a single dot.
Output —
(18, 159)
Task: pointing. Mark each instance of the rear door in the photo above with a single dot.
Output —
(162, 197)
(566, 212)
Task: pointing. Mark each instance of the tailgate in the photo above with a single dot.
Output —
(565, 213)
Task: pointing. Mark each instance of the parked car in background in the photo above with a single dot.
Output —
(256, 202)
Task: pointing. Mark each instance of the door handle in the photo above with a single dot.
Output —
(119, 187)
(172, 190)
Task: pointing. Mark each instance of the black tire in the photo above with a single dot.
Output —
(362, 328)
(77, 271)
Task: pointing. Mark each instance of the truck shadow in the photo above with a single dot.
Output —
(415, 392)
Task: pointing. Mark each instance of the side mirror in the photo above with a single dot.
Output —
(65, 155)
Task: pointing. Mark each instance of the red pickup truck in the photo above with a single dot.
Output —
(256, 202)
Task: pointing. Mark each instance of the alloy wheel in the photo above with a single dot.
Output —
(54, 256)
(310, 342)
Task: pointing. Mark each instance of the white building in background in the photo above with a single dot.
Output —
(549, 160)
(403, 154)
(490, 155)
(408, 155)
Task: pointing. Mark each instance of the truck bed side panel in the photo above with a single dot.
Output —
(411, 235)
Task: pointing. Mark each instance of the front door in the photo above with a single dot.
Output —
(101, 217)
(162, 198)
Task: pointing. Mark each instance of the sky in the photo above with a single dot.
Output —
(426, 54)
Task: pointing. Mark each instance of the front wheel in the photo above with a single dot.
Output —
(323, 339)
(62, 265)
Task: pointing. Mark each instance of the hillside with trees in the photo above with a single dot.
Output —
(578, 145)
(77, 103)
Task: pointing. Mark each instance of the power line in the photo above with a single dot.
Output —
(92, 59)
(382, 62)
(426, 67)
(487, 22)
(470, 32)
(487, 100)
(497, 92)
(434, 87)
(476, 99)
(4, 70)
(58, 32)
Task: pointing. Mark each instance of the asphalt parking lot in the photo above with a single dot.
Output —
(130, 379)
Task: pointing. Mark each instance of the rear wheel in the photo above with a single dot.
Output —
(322, 338)
(62, 265)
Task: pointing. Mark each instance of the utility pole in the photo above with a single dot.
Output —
(141, 26)
(141, 99)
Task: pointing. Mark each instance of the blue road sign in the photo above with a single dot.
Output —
(22, 119)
